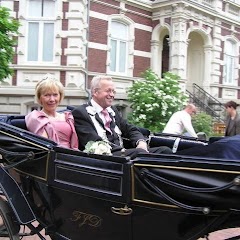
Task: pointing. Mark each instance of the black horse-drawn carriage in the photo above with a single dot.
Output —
(75, 195)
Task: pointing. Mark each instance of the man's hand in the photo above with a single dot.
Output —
(142, 144)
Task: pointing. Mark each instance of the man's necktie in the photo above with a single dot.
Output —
(107, 120)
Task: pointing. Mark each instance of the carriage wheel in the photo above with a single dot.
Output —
(9, 228)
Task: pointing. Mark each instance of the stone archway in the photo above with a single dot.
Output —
(160, 49)
(195, 61)
(199, 58)
(165, 54)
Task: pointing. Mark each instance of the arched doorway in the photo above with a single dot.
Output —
(160, 49)
(165, 55)
(195, 61)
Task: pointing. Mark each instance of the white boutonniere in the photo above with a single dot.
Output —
(111, 111)
(91, 110)
(98, 147)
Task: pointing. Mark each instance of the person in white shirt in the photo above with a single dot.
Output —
(181, 121)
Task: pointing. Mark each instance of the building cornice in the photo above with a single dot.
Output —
(143, 6)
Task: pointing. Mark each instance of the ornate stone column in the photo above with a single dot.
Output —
(207, 67)
(156, 60)
(178, 43)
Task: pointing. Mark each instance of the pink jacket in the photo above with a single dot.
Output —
(37, 122)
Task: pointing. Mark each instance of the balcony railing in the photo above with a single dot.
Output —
(207, 103)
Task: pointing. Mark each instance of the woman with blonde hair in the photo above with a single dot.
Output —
(57, 126)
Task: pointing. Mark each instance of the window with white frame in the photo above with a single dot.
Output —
(40, 41)
(119, 47)
(229, 60)
(235, 1)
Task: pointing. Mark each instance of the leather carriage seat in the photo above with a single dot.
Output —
(70, 107)
(16, 120)
(175, 142)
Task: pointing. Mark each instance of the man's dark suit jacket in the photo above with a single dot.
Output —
(232, 126)
(86, 130)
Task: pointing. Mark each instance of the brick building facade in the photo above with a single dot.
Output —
(197, 39)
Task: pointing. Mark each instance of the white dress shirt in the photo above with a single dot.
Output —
(179, 122)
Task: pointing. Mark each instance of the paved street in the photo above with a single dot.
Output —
(218, 235)
(223, 234)
(35, 237)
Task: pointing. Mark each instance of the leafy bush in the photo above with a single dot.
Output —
(154, 100)
(203, 122)
(8, 27)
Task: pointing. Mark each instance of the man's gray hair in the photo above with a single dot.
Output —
(190, 106)
(95, 83)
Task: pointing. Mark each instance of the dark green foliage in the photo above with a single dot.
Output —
(8, 27)
(203, 122)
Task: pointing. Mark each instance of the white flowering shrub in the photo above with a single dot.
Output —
(154, 100)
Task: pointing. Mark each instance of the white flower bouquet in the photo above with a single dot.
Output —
(99, 147)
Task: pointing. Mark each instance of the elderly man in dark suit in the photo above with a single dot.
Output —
(99, 120)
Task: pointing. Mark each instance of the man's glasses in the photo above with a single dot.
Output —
(108, 91)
